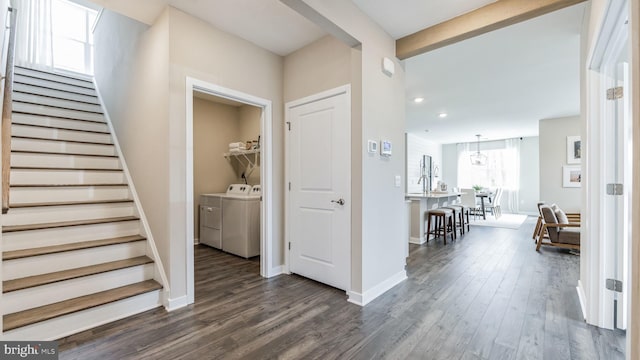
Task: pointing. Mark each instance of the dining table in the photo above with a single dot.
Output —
(482, 196)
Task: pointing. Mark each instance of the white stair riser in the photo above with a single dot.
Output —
(63, 161)
(24, 299)
(52, 111)
(83, 320)
(67, 104)
(53, 77)
(37, 265)
(19, 118)
(53, 85)
(71, 177)
(20, 144)
(68, 235)
(45, 214)
(35, 195)
(59, 134)
(25, 88)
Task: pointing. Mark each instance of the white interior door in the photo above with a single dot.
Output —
(319, 168)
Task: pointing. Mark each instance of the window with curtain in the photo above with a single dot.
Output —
(55, 34)
(502, 170)
(72, 37)
(496, 173)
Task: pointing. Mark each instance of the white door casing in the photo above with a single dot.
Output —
(319, 199)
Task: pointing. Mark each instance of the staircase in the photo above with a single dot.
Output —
(74, 253)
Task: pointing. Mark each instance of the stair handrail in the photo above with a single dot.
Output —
(7, 110)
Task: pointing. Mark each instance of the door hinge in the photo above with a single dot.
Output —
(614, 285)
(615, 93)
(289, 245)
(615, 189)
(289, 185)
(289, 125)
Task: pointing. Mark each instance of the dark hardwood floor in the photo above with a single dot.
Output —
(489, 295)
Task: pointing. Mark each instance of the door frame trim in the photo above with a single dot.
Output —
(266, 176)
(597, 302)
(344, 89)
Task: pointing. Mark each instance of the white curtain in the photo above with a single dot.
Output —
(511, 195)
(34, 33)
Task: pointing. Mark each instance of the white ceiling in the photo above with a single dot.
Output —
(266, 23)
(499, 84)
(404, 17)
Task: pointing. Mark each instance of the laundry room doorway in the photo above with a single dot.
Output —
(228, 178)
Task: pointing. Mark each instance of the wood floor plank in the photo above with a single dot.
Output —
(487, 295)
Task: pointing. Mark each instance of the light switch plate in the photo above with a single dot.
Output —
(398, 180)
(372, 146)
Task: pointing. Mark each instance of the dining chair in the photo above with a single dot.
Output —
(468, 199)
(494, 206)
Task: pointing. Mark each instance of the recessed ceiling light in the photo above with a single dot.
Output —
(442, 115)
(418, 100)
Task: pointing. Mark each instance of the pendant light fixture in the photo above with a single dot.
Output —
(478, 158)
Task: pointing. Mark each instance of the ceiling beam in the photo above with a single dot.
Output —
(497, 15)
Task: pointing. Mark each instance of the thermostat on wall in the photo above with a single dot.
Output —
(372, 146)
(385, 148)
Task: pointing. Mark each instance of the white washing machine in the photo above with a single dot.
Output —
(241, 220)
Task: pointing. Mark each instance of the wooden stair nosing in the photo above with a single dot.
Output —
(54, 249)
(62, 169)
(47, 312)
(57, 107)
(52, 73)
(60, 140)
(54, 225)
(61, 153)
(50, 278)
(106, 132)
(51, 96)
(68, 203)
(56, 117)
(66, 185)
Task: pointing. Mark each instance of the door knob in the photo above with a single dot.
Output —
(339, 201)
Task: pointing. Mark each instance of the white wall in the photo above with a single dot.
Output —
(416, 148)
(132, 74)
(383, 213)
(142, 72)
(553, 156)
(450, 164)
(199, 50)
(529, 194)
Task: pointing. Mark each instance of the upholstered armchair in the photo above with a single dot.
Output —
(559, 230)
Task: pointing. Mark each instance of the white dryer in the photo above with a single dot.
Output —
(241, 220)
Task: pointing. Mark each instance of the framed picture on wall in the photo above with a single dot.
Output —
(574, 150)
(571, 176)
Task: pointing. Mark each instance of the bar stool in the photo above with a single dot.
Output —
(461, 216)
(443, 221)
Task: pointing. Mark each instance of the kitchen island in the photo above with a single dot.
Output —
(420, 203)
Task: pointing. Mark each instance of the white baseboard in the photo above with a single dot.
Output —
(275, 271)
(177, 303)
(381, 288)
(418, 241)
(582, 298)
